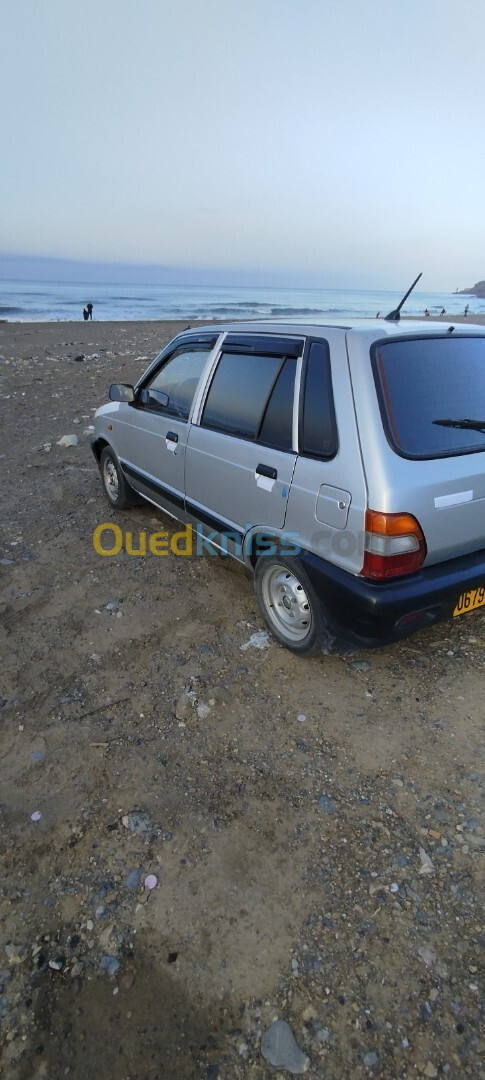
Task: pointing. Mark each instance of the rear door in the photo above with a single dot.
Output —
(328, 495)
(152, 434)
(240, 454)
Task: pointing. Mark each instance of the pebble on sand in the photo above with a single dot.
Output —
(259, 640)
(68, 440)
(280, 1049)
(110, 965)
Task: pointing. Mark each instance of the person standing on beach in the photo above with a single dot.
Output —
(466, 310)
(89, 309)
(85, 314)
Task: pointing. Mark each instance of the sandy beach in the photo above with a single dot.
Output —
(313, 829)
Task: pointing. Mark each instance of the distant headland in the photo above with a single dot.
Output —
(475, 290)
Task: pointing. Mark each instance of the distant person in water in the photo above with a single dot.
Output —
(378, 315)
(85, 314)
(466, 310)
(426, 312)
(442, 312)
(89, 309)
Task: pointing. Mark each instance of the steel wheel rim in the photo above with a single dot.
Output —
(287, 603)
(111, 480)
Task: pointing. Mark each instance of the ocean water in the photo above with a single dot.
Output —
(31, 301)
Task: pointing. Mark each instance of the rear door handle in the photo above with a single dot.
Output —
(267, 470)
(171, 436)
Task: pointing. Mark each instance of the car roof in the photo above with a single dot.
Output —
(304, 326)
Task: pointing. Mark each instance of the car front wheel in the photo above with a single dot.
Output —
(117, 490)
(288, 603)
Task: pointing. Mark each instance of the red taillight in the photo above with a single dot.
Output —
(394, 545)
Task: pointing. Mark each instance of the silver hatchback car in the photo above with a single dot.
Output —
(344, 464)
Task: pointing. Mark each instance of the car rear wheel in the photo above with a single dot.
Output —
(116, 488)
(288, 603)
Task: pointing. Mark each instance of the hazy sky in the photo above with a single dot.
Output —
(331, 142)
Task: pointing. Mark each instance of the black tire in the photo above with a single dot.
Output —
(116, 488)
(289, 604)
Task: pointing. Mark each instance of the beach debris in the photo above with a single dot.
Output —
(138, 823)
(301, 718)
(426, 864)
(259, 640)
(203, 710)
(280, 1049)
(36, 816)
(67, 440)
(79, 359)
(132, 882)
(15, 953)
(110, 965)
(150, 881)
(427, 955)
(185, 704)
(57, 963)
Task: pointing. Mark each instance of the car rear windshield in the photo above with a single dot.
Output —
(432, 394)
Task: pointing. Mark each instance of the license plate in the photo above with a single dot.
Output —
(469, 601)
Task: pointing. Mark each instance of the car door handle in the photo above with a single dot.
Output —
(171, 436)
(267, 470)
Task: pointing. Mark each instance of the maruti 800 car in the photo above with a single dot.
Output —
(345, 464)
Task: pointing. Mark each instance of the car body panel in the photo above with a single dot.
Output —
(222, 473)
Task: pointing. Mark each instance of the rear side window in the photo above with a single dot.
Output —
(317, 421)
(251, 397)
(432, 394)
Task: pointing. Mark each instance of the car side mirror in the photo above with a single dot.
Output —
(121, 392)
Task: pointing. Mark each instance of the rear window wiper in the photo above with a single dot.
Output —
(472, 425)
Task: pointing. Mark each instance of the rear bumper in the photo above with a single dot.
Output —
(378, 613)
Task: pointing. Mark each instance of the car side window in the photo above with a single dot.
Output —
(318, 429)
(171, 390)
(239, 393)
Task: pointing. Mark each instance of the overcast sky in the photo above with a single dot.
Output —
(331, 142)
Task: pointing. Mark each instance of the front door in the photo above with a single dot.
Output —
(153, 438)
